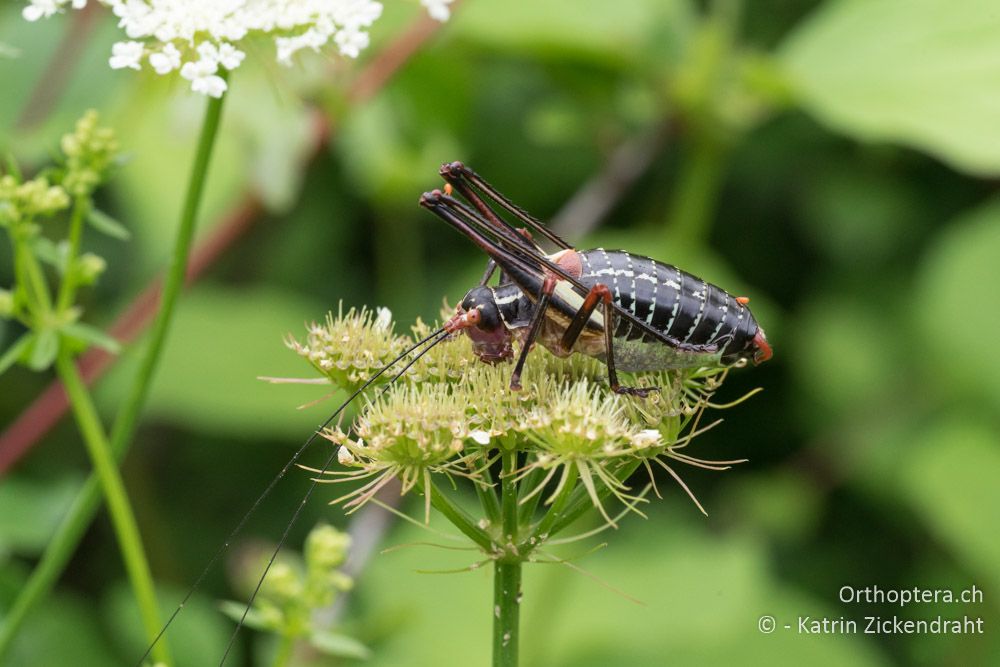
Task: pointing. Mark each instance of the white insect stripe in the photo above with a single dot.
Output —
(652, 305)
(505, 300)
(647, 277)
(722, 318)
(701, 309)
(614, 280)
(677, 301)
(612, 272)
(630, 273)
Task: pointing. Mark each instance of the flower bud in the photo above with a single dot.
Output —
(326, 547)
(89, 267)
(283, 583)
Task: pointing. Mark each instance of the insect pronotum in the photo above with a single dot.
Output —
(631, 312)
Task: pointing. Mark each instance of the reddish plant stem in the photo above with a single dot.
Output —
(54, 80)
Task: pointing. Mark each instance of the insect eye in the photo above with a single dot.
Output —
(474, 316)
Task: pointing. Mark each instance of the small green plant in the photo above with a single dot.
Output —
(30, 209)
(564, 444)
(295, 594)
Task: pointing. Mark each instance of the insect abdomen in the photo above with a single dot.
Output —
(682, 306)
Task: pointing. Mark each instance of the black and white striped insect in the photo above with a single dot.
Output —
(654, 316)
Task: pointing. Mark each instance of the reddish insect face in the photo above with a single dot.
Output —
(479, 317)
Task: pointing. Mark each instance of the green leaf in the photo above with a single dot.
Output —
(254, 619)
(13, 168)
(105, 224)
(221, 341)
(14, 352)
(33, 509)
(949, 477)
(43, 352)
(703, 591)
(89, 335)
(606, 32)
(919, 73)
(957, 308)
(50, 252)
(340, 646)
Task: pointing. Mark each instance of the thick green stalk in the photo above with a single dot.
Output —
(507, 573)
(84, 507)
(119, 508)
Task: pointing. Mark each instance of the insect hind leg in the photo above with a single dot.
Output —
(600, 293)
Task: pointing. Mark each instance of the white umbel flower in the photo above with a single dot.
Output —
(126, 54)
(166, 60)
(438, 9)
(198, 37)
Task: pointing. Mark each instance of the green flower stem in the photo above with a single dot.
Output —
(125, 423)
(487, 496)
(283, 655)
(529, 484)
(508, 496)
(697, 190)
(460, 518)
(581, 501)
(67, 289)
(57, 554)
(84, 507)
(114, 492)
(39, 301)
(507, 573)
(547, 526)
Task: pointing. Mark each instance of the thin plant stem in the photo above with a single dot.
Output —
(57, 554)
(696, 194)
(507, 573)
(122, 518)
(67, 289)
(35, 280)
(528, 485)
(60, 548)
(547, 525)
(125, 422)
(508, 496)
(488, 496)
(697, 190)
(286, 646)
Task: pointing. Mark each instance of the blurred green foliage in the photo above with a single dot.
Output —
(833, 161)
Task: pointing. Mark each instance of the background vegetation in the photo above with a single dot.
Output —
(834, 161)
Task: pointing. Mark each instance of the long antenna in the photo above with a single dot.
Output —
(267, 491)
(312, 487)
